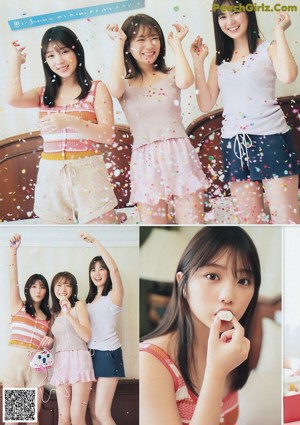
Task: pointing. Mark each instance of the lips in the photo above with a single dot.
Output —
(233, 29)
(63, 68)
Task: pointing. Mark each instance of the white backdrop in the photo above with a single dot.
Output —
(91, 32)
(51, 249)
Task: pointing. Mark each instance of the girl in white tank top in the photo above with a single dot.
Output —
(256, 143)
(104, 303)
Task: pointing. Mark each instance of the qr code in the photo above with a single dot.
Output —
(19, 405)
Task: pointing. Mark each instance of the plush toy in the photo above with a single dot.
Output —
(41, 360)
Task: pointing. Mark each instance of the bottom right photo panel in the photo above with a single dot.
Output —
(211, 325)
(291, 330)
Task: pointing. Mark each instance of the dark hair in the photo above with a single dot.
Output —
(93, 288)
(68, 38)
(225, 44)
(29, 307)
(131, 27)
(207, 245)
(56, 308)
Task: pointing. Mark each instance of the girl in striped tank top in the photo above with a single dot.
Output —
(76, 117)
(192, 366)
(30, 328)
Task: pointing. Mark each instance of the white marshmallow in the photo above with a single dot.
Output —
(225, 315)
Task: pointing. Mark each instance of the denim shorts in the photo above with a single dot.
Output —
(253, 157)
(108, 364)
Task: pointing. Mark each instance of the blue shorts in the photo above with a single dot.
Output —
(252, 157)
(108, 364)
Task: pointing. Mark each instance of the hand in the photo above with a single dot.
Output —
(53, 122)
(47, 342)
(18, 52)
(227, 352)
(65, 305)
(181, 32)
(86, 237)
(283, 21)
(115, 33)
(15, 241)
(198, 49)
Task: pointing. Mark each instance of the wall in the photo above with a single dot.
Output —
(98, 47)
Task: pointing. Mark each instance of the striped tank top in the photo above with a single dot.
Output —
(185, 399)
(27, 331)
(68, 139)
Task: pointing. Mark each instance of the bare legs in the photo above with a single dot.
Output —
(72, 403)
(101, 400)
(281, 199)
(188, 210)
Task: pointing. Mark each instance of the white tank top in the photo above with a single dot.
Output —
(103, 315)
(248, 95)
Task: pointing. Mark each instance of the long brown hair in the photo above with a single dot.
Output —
(208, 244)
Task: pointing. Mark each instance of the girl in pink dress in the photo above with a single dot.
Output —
(73, 370)
(165, 168)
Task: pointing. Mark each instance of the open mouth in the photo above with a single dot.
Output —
(233, 29)
(149, 54)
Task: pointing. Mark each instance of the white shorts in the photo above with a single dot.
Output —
(73, 191)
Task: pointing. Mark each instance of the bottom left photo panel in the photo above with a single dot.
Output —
(70, 324)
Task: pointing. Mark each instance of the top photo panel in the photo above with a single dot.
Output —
(138, 112)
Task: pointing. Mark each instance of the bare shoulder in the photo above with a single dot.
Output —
(80, 305)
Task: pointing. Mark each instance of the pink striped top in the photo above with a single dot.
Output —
(68, 139)
(26, 330)
(185, 399)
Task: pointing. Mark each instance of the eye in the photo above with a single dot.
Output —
(212, 276)
(244, 281)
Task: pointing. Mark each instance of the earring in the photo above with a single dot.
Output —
(184, 292)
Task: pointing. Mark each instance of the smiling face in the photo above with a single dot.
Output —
(37, 291)
(61, 59)
(63, 288)
(145, 46)
(220, 285)
(98, 274)
(234, 24)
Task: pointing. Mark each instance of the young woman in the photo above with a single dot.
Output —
(196, 360)
(76, 117)
(165, 168)
(73, 370)
(257, 148)
(30, 328)
(104, 303)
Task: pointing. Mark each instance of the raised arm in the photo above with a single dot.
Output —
(184, 77)
(116, 84)
(117, 292)
(284, 64)
(206, 91)
(14, 91)
(102, 132)
(224, 354)
(15, 299)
